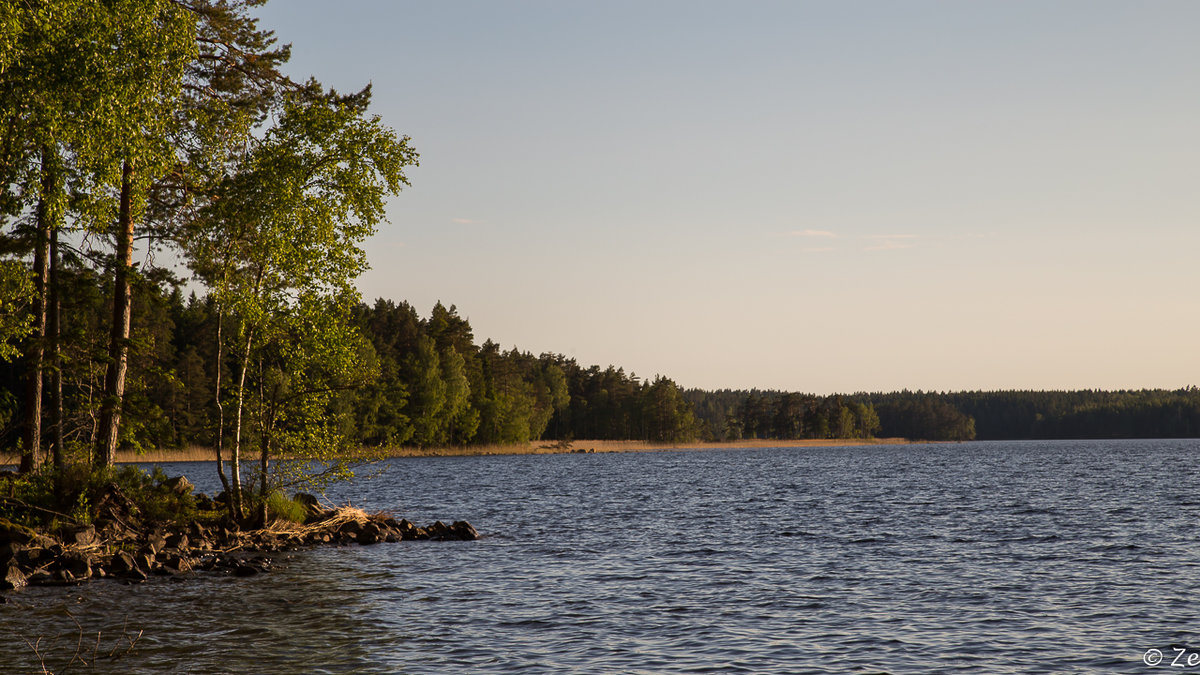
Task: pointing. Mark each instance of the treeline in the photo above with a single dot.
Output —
(425, 381)
(956, 416)
(1014, 415)
(728, 415)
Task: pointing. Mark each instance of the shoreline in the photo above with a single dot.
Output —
(202, 454)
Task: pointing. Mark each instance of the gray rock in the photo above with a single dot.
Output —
(180, 485)
(82, 536)
(13, 577)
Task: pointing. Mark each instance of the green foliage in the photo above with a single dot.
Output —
(726, 414)
(281, 507)
(47, 498)
(16, 290)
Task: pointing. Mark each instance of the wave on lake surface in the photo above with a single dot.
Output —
(978, 557)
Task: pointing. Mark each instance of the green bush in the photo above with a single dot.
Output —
(280, 506)
(48, 498)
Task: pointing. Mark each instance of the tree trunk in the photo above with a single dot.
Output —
(31, 453)
(55, 335)
(118, 348)
(264, 463)
(235, 468)
(220, 439)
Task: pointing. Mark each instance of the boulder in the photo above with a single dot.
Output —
(178, 541)
(463, 531)
(12, 577)
(369, 534)
(155, 543)
(174, 563)
(350, 528)
(59, 578)
(122, 563)
(439, 531)
(180, 485)
(245, 570)
(77, 563)
(197, 530)
(81, 536)
(312, 507)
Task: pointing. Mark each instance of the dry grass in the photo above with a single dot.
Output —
(199, 453)
(192, 453)
(340, 516)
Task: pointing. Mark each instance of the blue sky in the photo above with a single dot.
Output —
(812, 196)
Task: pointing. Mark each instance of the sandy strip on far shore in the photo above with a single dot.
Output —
(196, 453)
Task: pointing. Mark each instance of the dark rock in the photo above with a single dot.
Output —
(203, 503)
(245, 571)
(34, 556)
(369, 534)
(155, 543)
(178, 541)
(350, 527)
(180, 485)
(463, 530)
(312, 508)
(9, 552)
(122, 563)
(114, 505)
(77, 563)
(60, 578)
(439, 531)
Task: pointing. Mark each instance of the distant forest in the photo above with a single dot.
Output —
(435, 385)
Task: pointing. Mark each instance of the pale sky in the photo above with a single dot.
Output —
(823, 197)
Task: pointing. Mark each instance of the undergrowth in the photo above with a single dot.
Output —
(50, 499)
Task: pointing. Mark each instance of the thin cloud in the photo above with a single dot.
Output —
(822, 249)
(825, 234)
(889, 242)
(467, 221)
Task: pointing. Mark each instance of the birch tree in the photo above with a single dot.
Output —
(281, 243)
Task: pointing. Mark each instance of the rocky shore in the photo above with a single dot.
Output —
(121, 544)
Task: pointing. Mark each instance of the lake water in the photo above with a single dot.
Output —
(976, 557)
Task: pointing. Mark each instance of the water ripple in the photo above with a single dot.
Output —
(983, 557)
